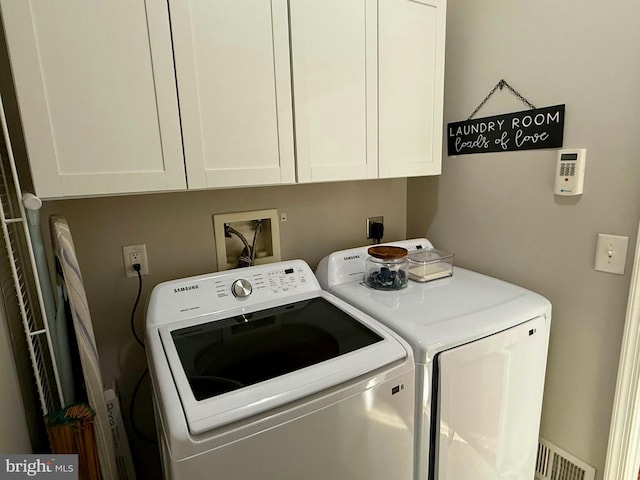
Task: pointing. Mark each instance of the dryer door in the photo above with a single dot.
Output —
(489, 402)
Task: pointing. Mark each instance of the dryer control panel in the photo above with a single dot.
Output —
(347, 266)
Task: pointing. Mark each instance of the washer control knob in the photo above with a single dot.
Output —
(241, 288)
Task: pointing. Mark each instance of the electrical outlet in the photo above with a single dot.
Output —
(132, 254)
(370, 222)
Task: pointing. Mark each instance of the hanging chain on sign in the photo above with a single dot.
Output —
(501, 84)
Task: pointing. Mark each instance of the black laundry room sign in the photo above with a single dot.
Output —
(526, 130)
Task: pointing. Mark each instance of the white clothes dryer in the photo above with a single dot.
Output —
(480, 346)
(259, 373)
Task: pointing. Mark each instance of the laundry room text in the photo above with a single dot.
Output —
(526, 130)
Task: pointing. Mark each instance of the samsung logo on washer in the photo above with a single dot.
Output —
(352, 257)
(186, 288)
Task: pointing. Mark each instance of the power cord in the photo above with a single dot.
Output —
(137, 431)
(376, 230)
(136, 267)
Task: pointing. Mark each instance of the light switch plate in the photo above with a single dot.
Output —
(611, 253)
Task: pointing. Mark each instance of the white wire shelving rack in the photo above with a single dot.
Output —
(21, 289)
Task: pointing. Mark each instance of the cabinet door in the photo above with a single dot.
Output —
(334, 53)
(96, 92)
(234, 85)
(411, 86)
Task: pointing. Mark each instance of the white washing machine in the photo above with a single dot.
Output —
(259, 373)
(480, 346)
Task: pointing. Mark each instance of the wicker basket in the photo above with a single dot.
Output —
(71, 431)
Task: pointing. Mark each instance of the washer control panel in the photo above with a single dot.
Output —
(277, 281)
(285, 279)
(241, 288)
(237, 288)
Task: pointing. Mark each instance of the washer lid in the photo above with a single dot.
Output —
(231, 368)
(436, 315)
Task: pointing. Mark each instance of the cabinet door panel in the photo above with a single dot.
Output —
(411, 86)
(232, 64)
(96, 92)
(334, 80)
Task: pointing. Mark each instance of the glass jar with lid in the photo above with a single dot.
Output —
(386, 268)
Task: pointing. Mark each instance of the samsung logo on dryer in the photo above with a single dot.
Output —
(186, 288)
(351, 257)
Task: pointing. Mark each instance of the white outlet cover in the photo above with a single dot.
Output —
(141, 249)
(611, 253)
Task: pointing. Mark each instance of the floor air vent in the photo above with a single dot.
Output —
(553, 463)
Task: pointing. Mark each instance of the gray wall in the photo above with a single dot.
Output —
(497, 212)
(14, 434)
(177, 229)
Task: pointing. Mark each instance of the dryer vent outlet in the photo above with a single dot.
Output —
(553, 463)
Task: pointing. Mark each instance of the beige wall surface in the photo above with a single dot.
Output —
(14, 434)
(177, 229)
(497, 212)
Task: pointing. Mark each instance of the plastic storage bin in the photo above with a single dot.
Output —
(427, 265)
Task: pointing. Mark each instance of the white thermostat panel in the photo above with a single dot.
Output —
(570, 171)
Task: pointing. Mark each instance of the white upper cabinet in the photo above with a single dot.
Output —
(234, 85)
(96, 90)
(126, 96)
(411, 39)
(368, 80)
(333, 55)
